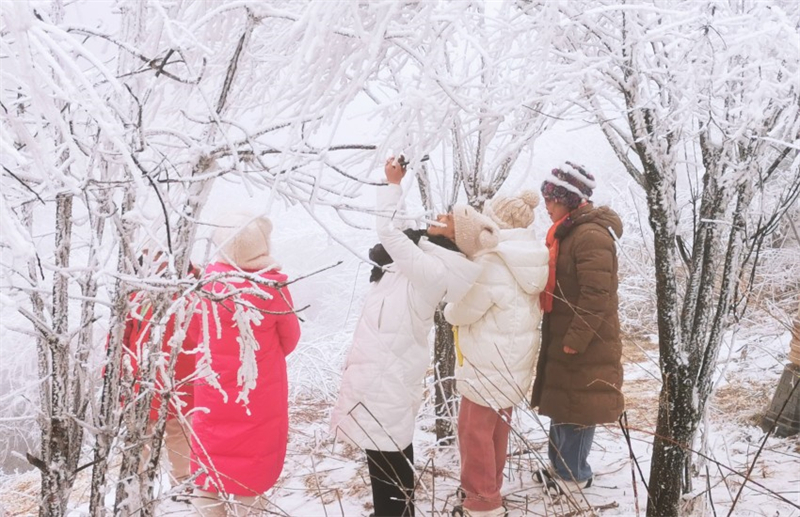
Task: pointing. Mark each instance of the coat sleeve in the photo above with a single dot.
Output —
(475, 303)
(421, 269)
(594, 257)
(288, 325)
(542, 271)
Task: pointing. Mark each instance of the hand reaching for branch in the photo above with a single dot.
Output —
(570, 351)
(394, 171)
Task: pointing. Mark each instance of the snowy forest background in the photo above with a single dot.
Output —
(136, 123)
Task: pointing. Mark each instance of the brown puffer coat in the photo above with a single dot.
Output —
(583, 388)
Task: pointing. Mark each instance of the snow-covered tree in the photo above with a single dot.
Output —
(700, 102)
(115, 134)
(120, 158)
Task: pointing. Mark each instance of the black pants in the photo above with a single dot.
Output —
(392, 478)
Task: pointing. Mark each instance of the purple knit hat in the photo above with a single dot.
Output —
(569, 185)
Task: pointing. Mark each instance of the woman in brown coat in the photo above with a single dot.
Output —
(579, 372)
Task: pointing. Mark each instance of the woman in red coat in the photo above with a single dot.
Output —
(241, 423)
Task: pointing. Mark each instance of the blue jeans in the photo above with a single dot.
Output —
(568, 448)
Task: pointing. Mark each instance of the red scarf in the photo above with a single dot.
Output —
(546, 296)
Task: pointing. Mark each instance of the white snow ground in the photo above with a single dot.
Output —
(322, 480)
(326, 481)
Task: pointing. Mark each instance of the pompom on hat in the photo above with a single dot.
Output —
(243, 241)
(474, 231)
(569, 185)
(513, 211)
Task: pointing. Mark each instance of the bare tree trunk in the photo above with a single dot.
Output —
(107, 419)
(80, 388)
(675, 425)
(109, 406)
(134, 488)
(58, 442)
(731, 272)
(444, 360)
(111, 413)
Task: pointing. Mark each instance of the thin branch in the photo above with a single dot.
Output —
(23, 184)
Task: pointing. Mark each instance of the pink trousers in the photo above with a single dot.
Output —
(483, 444)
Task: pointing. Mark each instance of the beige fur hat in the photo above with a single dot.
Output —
(243, 241)
(513, 211)
(474, 231)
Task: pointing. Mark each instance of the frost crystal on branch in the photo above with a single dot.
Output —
(246, 316)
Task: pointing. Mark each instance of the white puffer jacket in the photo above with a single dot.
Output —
(498, 321)
(382, 383)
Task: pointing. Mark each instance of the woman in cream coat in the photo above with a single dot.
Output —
(497, 325)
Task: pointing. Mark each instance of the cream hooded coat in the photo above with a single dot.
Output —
(498, 321)
(382, 383)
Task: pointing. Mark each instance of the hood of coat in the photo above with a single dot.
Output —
(599, 215)
(524, 256)
(462, 272)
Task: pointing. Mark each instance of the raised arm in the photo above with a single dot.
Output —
(419, 267)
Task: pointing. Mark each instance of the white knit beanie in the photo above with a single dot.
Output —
(513, 211)
(474, 231)
(243, 240)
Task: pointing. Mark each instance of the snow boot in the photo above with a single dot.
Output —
(542, 475)
(557, 486)
(460, 511)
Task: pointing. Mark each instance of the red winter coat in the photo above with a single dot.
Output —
(243, 447)
(137, 333)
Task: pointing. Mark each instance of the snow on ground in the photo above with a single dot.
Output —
(320, 479)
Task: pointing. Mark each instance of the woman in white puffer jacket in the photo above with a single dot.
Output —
(382, 383)
(498, 338)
